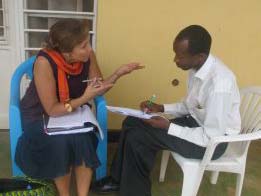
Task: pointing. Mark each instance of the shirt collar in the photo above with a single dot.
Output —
(205, 69)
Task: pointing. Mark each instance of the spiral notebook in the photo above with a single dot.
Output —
(79, 121)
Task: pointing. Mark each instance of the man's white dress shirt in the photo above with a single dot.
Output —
(213, 100)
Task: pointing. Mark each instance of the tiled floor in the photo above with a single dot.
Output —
(173, 182)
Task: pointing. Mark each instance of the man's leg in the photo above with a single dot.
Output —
(112, 183)
(116, 166)
(141, 144)
(137, 149)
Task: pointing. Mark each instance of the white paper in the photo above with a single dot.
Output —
(76, 118)
(130, 112)
(73, 119)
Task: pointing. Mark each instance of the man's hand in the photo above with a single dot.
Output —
(158, 122)
(148, 107)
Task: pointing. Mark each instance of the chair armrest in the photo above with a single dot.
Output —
(101, 112)
(232, 138)
(236, 138)
(100, 102)
(101, 115)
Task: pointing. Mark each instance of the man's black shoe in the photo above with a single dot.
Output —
(106, 185)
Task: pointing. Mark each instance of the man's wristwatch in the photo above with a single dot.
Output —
(68, 106)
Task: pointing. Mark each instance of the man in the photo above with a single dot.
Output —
(210, 109)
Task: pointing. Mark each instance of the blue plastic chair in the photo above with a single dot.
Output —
(15, 119)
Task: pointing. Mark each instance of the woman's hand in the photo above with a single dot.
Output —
(158, 122)
(123, 70)
(128, 68)
(149, 107)
(94, 88)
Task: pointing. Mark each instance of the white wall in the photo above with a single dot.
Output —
(5, 72)
(9, 56)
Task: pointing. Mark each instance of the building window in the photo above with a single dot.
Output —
(39, 15)
(3, 22)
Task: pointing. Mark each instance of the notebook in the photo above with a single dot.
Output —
(81, 120)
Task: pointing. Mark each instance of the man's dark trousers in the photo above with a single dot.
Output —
(138, 146)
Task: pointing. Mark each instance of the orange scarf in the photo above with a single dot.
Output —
(64, 68)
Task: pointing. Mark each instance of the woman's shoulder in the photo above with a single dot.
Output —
(42, 65)
(44, 61)
(44, 57)
(41, 61)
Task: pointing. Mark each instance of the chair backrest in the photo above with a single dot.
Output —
(250, 111)
(14, 108)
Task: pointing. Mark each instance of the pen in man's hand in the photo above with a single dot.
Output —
(149, 103)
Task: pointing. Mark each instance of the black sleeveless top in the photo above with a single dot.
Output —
(31, 107)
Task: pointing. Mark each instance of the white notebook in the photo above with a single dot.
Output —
(74, 122)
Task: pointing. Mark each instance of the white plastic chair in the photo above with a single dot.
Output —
(233, 160)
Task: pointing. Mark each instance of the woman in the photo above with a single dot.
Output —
(57, 89)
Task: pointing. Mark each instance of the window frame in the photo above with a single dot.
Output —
(25, 49)
(4, 39)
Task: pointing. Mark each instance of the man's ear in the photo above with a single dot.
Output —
(202, 57)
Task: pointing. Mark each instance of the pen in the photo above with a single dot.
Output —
(150, 101)
(90, 80)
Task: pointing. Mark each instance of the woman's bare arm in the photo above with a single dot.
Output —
(46, 89)
(95, 71)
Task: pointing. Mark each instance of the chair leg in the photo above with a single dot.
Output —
(191, 181)
(214, 177)
(164, 163)
(240, 180)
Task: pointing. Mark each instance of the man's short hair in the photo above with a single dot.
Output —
(198, 37)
